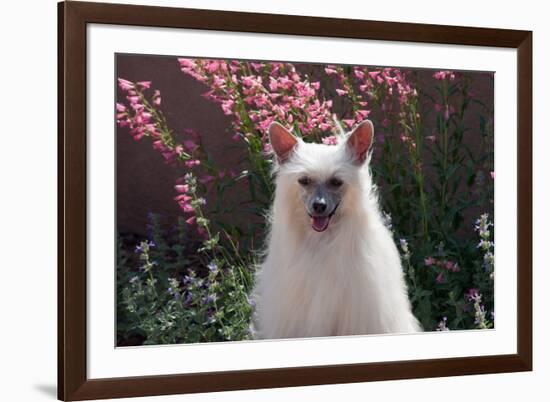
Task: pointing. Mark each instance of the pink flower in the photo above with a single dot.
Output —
(324, 126)
(341, 92)
(330, 70)
(206, 179)
(374, 74)
(429, 261)
(359, 74)
(156, 98)
(442, 75)
(181, 188)
(192, 162)
(227, 106)
(191, 220)
(120, 107)
(187, 208)
(213, 66)
(190, 145)
(186, 63)
(440, 278)
(144, 84)
(363, 113)
(125, 84)
(273, 84)
(451, 266)
(349, 122)
(330, 140)
(183, 198)
(472, 293)
(493, 175)
(248, 81)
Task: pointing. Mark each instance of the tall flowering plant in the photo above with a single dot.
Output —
(433, 180)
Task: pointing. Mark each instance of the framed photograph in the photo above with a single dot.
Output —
(253, 200)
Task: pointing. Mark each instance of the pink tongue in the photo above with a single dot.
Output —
(320, 223)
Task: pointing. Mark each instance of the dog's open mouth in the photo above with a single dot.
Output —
(320, 223)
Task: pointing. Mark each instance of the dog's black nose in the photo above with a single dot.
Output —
(319, 206)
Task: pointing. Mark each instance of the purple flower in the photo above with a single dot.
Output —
(212, 266)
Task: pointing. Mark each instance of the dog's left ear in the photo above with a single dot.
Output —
(282, 141)
(360, 141)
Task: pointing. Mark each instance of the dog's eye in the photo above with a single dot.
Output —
(335, 182)
(304, 181)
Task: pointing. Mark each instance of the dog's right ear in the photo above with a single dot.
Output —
(360, 141)
(282, 141)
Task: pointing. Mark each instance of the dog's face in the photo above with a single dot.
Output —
(321, 176)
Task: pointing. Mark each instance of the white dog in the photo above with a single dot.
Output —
(332, 267)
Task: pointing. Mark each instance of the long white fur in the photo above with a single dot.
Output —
(347, 280)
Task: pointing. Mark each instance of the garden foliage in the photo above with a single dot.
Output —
(434, 172)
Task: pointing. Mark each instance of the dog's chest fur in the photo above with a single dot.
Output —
(347, 281)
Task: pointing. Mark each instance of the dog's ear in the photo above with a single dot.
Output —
(360, 141)
(282, 141)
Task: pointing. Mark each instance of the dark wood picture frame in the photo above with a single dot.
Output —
(73, 17)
